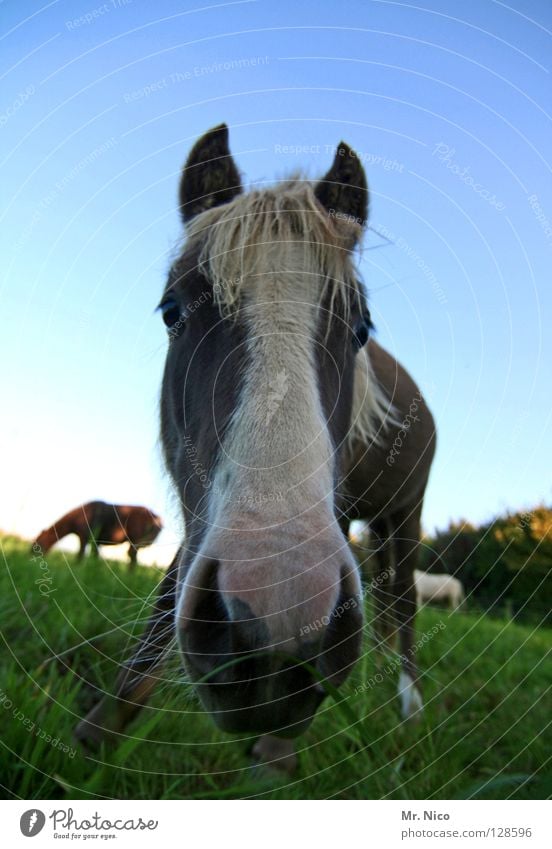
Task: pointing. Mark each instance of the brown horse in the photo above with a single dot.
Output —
(99, 523)
(280, 423)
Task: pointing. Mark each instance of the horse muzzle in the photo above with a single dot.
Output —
(260, 658)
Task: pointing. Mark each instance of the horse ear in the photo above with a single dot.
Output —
(210, 176)
(344, 189)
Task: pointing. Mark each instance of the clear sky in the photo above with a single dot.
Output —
(447, 103)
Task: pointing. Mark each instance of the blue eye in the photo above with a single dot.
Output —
(170, 310)
(362, 331)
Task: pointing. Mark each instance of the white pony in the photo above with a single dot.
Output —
(438, 588)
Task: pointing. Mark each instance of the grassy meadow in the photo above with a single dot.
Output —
(485, 733)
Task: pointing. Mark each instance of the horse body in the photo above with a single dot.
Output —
(388, 473)
(431, 587)
(386, 479)
(279, 425)
(98, 523)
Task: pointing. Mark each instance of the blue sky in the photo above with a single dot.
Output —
(449, 107)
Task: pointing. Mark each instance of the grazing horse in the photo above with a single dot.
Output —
(438, 588)
(99, 523)
(280, 423)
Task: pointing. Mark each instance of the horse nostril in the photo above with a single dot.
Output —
(218, 629)
(205, 630)
(343, 637)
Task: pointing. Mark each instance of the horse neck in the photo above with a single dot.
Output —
(65, 525)
(46, 539)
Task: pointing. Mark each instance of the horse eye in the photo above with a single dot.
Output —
(362, 332)
(170, 311)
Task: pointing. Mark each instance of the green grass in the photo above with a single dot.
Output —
(485, 732)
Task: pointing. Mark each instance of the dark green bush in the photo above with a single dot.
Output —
(504, 565)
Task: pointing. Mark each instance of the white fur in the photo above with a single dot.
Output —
(410, 696)
(278, 440)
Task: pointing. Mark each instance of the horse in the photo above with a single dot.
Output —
(438, 588)
(281, 421)
(97, 523)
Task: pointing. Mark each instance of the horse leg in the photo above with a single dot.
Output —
(82, 549)
(380, 587)
(137, 677)
(94, 535)
(94, 545)
(406, 534)
(456, 599)
(133, 555)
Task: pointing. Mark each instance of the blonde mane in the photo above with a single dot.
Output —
(372, 411)
(235, 239)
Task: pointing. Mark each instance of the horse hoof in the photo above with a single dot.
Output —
(277, 753)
